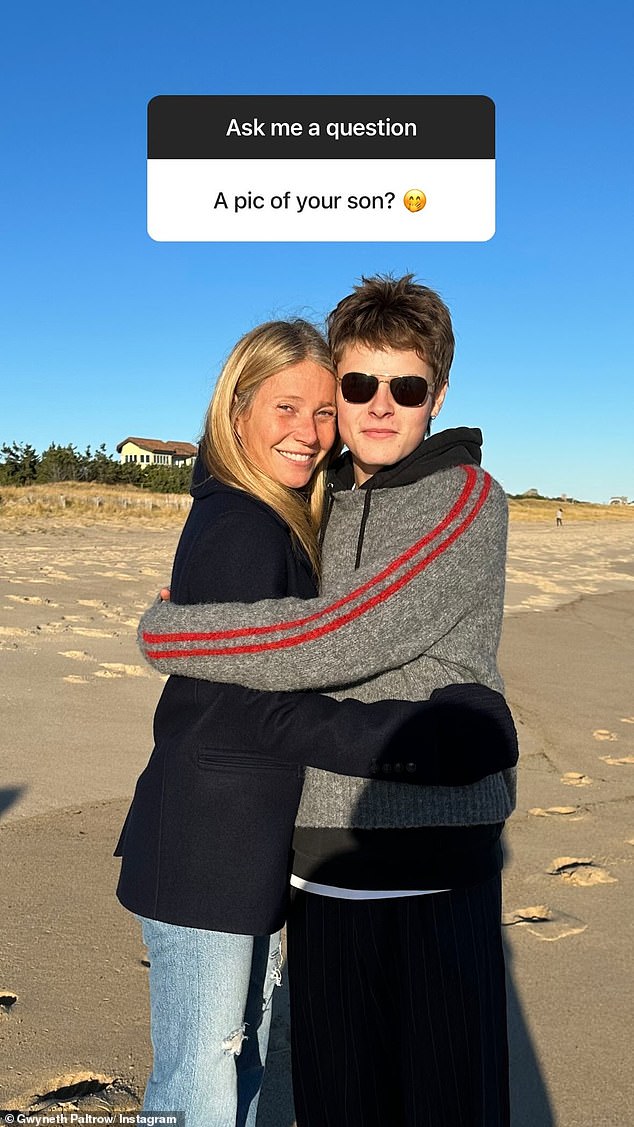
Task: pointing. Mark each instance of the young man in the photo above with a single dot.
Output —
(395, 952)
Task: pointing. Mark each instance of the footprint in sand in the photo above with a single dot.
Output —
(573, 813)
(580, 870)
(87, 1091)
(13, 632)
(76, 655)
(117, 575)
(73, 679)
(574, 779)
(105, 610)
(34, 600)
(624, 719)
(603, 734)
(25, 579)
(7, 999)
(52, 627)
(617, 762)
(544, 923)
(118, 669)
(89, 633)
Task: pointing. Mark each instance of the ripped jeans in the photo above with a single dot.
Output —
(210, 1014)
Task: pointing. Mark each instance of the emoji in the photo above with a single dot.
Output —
(414, 199)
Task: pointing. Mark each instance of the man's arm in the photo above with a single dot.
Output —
(382, 621)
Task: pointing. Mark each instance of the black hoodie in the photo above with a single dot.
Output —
(454, 447)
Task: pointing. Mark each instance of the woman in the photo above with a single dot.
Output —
(206, 843)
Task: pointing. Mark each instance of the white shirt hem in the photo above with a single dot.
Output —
(359, 893)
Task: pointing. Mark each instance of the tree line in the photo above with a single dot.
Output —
(20, 464)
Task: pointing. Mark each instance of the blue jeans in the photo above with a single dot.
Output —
(210, 1014)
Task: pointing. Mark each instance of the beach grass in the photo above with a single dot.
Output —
(531, 510)
(84, 503)
(71, 502)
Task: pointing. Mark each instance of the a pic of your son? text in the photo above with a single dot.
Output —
(321, 168)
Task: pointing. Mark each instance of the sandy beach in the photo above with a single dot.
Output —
(76, 723)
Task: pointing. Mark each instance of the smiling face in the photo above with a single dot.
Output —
(414, 199)
(381, 432)
(290, 425)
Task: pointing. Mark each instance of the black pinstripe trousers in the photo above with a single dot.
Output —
(398, 1010)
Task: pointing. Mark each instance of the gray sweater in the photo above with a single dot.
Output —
(423, 610)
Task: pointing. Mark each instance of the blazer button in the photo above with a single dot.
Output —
(374, 766)
(398, 768)
(387, 768)
(411, 768)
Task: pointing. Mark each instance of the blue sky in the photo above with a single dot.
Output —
(106, 333)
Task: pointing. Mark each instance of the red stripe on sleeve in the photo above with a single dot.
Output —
(343, 620)
(395, 565)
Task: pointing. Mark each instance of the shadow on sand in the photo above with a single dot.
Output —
(530, 1103)
(8, 796)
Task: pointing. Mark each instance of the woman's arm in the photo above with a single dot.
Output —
(457, 737)
(384, 620)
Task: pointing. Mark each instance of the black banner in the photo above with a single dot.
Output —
(321, 127)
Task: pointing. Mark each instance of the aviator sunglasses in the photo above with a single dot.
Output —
(407, 391)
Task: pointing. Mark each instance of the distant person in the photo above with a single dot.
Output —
(559, 516)
(207, 842)
(395, 950)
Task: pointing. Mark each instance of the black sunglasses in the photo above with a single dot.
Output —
(407, 391)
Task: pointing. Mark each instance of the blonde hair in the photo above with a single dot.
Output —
(258, 355)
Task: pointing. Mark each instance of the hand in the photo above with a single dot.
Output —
(164, 594)
(475, 719)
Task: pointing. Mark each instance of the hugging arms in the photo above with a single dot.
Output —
(395, 617)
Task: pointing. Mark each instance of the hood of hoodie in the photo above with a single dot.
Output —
(455, 447)
(202, 482)
(204, 485)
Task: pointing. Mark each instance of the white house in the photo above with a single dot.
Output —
(154, 452)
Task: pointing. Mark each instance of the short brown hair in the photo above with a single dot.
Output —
(385, 312)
